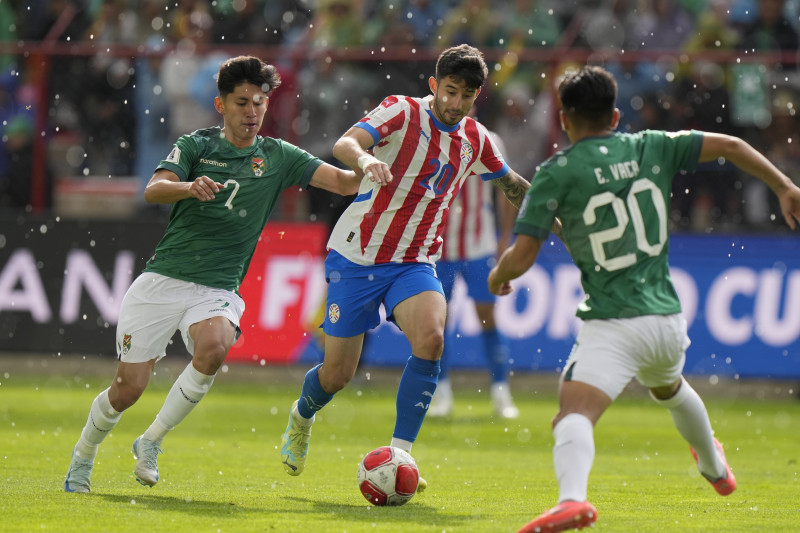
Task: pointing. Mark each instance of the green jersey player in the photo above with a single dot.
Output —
(611, 192)
(223, 184)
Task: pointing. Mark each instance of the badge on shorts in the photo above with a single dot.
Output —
(333, 313)
(126, 343)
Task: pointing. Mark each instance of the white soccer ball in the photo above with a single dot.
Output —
(388, 476)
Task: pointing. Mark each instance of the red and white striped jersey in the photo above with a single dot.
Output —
(470, 231)
(402, 222)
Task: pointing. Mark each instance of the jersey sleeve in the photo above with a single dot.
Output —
(681, 147)
(491, 157)
(538, 209)
(385, 119)
(182, 158)
(298, 166)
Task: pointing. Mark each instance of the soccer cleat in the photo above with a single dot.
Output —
(727, 483)
(294, 444)
(146, 453)
(80, 470)
(564, 516)
(502, 401)
(422, 485)
(442, 404)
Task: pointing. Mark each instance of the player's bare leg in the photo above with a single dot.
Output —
(212, 339)
(320, 384)
(127, 386)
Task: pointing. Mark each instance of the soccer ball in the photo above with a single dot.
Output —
(388, 476)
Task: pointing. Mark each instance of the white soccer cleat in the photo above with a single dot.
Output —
(80, 470)
(146, 454)
(502, 401)
(442, 404)
(294, 444)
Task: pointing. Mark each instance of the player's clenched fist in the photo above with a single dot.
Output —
(204, 188)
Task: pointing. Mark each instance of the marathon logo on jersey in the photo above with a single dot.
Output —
(333, 313)
(126, 343)
(174, 156)
(466, 152)
(258, 166)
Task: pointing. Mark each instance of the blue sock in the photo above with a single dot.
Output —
(312, 396)
(414, 394)
(496, 350)
(444, 364)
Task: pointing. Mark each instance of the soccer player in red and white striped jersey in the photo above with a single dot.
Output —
(385, 245)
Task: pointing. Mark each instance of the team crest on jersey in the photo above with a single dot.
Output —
(258, 166)
(333, 313)
(126, 343)
(466, 152)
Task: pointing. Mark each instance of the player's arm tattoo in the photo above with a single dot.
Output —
(514, 187)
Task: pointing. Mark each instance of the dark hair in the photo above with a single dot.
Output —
(589, 96)
(463, 62)
(246, 69)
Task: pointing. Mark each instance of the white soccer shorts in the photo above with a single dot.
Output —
(609, 353)
(156, 306)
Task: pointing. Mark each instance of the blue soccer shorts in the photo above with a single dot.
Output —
(355, 292)
(475, 273)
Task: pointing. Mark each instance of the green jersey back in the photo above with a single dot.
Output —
(211, 243)
(612, 196)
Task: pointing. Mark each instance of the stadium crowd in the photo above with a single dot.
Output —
(727, 66)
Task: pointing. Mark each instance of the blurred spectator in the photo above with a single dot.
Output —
(636, 81)
(187, 76)
(108, 92)
(523, 120)
(529, 24)
(664, 26)
(472, 22)
(388, 26)
(426, 18)
(770, 30)
(15, 182)
(337, 24)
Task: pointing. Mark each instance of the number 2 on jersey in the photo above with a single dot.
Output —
(442, 175)
(624, 216)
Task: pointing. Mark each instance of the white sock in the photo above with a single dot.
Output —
(691, 419)
(402, 444)
(102, 419)
(573, 456)
(186, 392)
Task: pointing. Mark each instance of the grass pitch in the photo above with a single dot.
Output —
(221, 470)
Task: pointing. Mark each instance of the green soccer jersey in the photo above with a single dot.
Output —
(211, 243)
(612, 196)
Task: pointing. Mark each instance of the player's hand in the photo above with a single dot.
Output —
(204, 188)
(790, 206)
(495, 287)
(375, 170)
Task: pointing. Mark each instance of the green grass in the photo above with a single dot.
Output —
(221, 469)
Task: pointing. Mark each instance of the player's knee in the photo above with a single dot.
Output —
(335, 380)
(209, 357)
(124, 393)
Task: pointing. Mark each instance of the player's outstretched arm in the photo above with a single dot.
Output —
(165, 187)
(747, 158)
(514, 262)
(335, 180)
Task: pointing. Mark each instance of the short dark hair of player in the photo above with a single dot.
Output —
(463, 62)
(589, 96)
(247, 69)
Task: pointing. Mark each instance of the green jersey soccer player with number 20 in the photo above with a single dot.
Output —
(611, 192)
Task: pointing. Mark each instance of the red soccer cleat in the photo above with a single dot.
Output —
(726, 484)
(564, 516)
